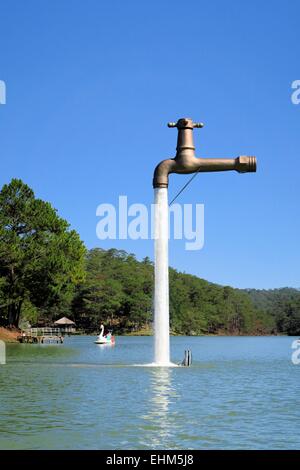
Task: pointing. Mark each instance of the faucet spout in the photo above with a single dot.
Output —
(186, 162)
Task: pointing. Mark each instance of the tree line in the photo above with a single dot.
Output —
(46, 272)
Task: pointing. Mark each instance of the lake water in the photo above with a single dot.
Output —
(240, 393)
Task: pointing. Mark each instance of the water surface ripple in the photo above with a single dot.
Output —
(240, 393)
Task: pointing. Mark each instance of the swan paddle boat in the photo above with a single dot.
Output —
(105, 339)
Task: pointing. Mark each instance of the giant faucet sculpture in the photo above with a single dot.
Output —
(184, 162)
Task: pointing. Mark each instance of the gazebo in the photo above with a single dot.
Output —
(65, 324)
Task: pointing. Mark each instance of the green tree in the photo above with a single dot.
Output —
(282, 306)
(41, 260)
(117, 290)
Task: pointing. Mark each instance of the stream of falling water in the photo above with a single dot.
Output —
(161, 276)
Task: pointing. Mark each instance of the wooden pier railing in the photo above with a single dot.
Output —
(42, 335)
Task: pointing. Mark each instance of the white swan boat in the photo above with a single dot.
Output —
(104, 339)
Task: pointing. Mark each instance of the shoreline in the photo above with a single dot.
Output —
(9, 335)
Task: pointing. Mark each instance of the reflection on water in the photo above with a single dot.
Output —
(160, 420)
(105, 345)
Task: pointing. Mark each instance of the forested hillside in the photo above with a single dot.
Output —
(282, 304)
(118, 291)
(46, 272)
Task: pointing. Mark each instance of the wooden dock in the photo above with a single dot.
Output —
(41, 336)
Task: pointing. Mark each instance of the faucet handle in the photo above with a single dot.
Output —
(185, 123)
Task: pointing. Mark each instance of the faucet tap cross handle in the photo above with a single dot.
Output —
(186, 123)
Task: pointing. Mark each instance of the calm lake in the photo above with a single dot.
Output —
(240, 393)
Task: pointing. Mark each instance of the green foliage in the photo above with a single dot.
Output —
(118, 291)
(30, 314)
(45, 272)
(200, 307)
(283, 305)
(41, 260)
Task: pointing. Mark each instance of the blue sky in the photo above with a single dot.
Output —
(91, 86)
